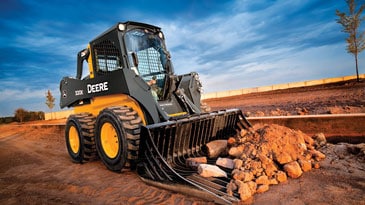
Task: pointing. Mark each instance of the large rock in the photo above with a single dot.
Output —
(253, 186)
(195, 161)
(216, 148)
(293, 169)
(255, 166)
(225, 162)
(281, 176)
(305, 164)
(236, 151)
(282, 157)
(317, 155)
(231, 141)
(243, 132)
(244, 190)
(231, 187)
(241, 175)
(309, 142)
(262, 180)
(237, 163)
(208, 170)
(262, 188)
(320, 140)
(268, 165)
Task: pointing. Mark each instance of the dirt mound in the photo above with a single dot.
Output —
(267, 154)
(261, 156)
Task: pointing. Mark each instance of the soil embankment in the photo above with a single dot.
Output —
(335, 98)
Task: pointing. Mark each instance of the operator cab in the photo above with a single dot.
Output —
(136, 46)
(149, 59)
(132, 58)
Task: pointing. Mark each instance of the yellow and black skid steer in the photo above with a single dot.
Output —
(132, 111)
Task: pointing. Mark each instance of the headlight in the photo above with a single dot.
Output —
(121, 27)
(85, 52)
(160, 34)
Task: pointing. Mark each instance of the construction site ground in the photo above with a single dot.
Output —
(35, 167)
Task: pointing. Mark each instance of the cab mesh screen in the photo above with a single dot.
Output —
(107, 56)
(149, 63)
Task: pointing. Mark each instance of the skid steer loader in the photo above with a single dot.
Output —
(132, 111)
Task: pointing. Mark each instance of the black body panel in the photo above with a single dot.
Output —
(112, 73)
(124, 81)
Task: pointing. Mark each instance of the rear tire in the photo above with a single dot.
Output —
(117, 137)
(79, 136)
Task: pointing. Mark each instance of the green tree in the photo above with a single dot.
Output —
(351, 24)
(50, 100)
(20, 114)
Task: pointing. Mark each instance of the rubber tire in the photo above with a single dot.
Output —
(84, 125)
(126, 123)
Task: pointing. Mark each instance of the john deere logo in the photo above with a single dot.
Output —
(99, 87)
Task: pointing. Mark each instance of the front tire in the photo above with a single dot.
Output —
(79, 136)
(117, 137)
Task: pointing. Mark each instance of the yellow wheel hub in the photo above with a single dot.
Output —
(74, 139)
(109, 140)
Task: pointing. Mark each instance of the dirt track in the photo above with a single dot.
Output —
(35, 167)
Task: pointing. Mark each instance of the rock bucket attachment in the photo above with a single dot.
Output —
(164, 148)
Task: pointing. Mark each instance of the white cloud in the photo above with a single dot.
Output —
(16, 94)
(248, 49)
(308, 64)
(28, 98)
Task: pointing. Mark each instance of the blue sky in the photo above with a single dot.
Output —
(231, 44)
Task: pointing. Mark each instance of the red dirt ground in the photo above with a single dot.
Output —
(36, 169)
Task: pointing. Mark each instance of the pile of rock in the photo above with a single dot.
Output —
(263, 156)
